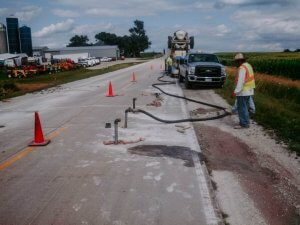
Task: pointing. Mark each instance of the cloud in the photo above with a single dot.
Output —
(282, 25)
(133, 8)
(222, 30)
(224, 3)
(4, 12)
(27, 13)
(92, 30)
(260, 47)
(52, 29)
(65, 13)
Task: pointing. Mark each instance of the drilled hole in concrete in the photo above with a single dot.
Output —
(107, 125)
(2, 126)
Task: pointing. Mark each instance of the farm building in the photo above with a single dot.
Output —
(93, 51)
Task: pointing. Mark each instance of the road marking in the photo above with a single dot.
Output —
(205, 196)
(27, 150)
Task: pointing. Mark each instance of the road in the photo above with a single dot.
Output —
(111, 63)
(76, 179)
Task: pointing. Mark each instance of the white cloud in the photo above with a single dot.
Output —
(224, 3)
(28, 13)
(65, 13)
(92, 30)
(61, 27)
(222, 30)
(268, 24)
(4, 12)
(133, 8)
(260, 47)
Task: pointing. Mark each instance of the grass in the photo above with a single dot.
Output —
(278, 107)
(15, 87)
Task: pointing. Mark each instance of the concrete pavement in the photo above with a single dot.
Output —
(77, 179)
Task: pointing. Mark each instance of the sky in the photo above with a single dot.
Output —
(217, 25)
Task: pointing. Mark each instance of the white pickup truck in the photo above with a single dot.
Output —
(201, 68)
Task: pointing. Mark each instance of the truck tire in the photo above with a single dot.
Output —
(169, 42)
(192, 41)
(187, 84)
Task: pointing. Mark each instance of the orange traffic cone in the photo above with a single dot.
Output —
(133, 77)
(38, 133)
(110, 90)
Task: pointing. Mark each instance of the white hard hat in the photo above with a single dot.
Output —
(239, 56)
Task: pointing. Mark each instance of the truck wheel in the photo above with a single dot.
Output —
(180, 78)
(187, 84)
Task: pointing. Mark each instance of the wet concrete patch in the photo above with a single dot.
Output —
(263, 178)
(176, 152)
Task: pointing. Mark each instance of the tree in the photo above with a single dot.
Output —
(78, 41)
(131, 45)
(107, 38)
(139, 39)
(297, 50)
(287, 50)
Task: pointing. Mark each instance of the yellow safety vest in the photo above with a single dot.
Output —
(249, 77)
(169, 61)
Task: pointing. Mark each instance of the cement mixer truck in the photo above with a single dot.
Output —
(180, 43)
(179, 46)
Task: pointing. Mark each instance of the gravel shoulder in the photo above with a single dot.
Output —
(257, 179)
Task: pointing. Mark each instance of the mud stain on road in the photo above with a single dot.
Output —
(263, 178)
(176, 152)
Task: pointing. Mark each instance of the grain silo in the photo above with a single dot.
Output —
(3, 39)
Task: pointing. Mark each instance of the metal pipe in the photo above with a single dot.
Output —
(133, 103)
(116, 131)
(126, 116)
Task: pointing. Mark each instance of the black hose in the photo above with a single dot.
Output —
(164, 82)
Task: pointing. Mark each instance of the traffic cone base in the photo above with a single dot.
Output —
(38, 133)
(44, 143)
(110, 91)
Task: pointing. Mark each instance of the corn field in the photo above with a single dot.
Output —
(279, 64)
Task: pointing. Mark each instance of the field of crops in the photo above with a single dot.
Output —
(279, 64)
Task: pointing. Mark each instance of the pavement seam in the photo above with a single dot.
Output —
(205, 196)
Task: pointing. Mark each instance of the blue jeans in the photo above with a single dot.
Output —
(244, 103)
(251, 106)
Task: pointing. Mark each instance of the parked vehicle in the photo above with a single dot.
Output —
(106, 59)
(201, 68)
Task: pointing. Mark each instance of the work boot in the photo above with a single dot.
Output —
(240, 127)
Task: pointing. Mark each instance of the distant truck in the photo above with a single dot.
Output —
(201, 68)
(180, 43)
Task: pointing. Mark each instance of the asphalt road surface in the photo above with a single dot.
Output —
(76, 179)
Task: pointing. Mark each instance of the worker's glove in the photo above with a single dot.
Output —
(232, 94)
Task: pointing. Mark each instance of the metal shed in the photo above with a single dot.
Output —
(94, 51)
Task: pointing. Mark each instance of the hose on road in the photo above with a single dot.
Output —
(164, 82)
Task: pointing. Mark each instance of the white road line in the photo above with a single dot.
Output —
(205, 197)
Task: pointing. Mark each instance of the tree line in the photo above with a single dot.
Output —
(130, 45)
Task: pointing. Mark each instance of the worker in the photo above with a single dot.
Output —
(169, 64)
(244, 90)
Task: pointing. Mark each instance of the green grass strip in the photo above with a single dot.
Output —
(278, 109)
